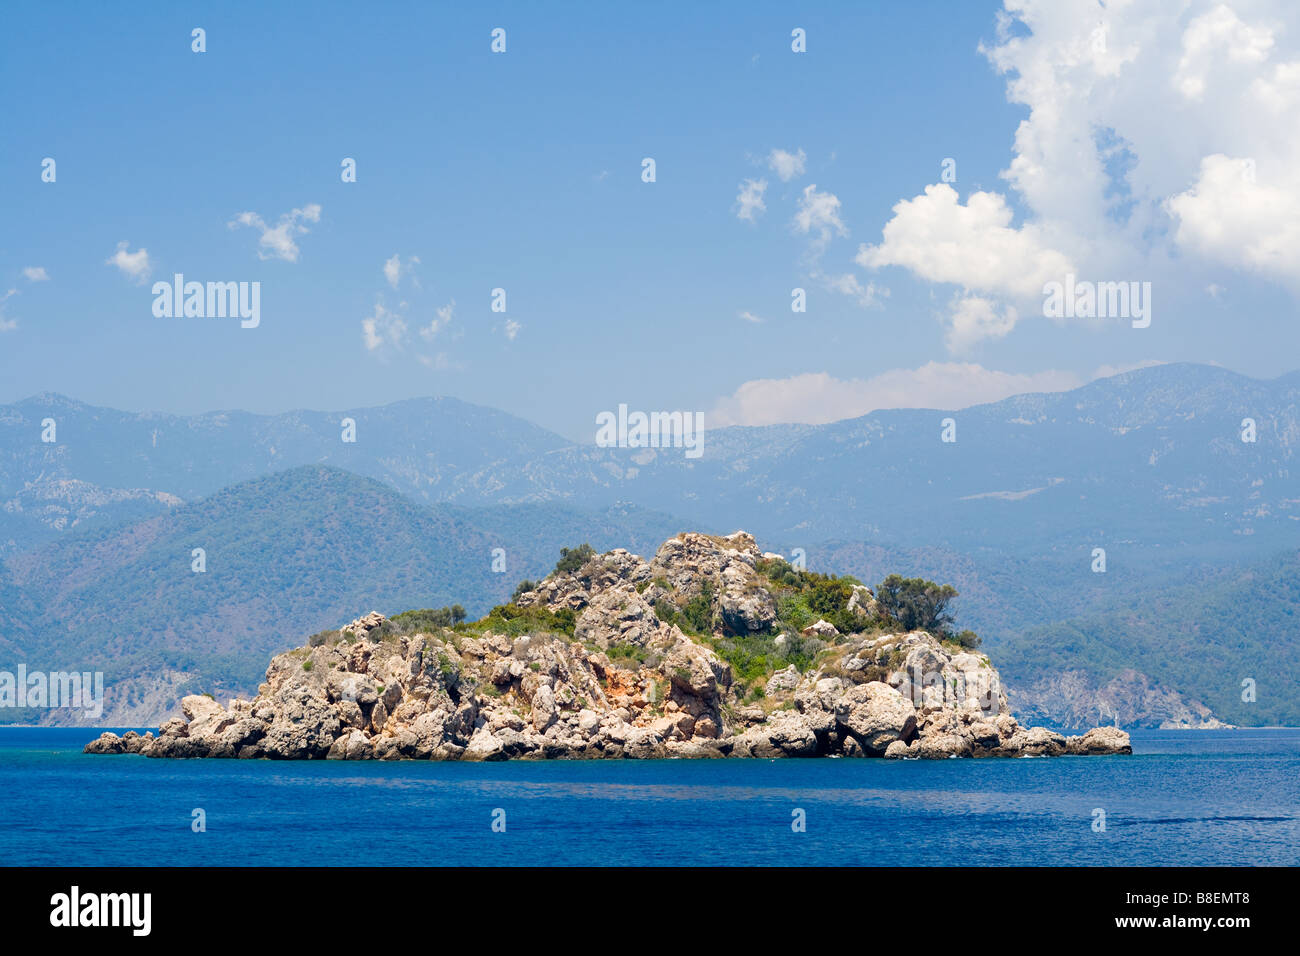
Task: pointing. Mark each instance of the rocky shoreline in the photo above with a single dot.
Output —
(596, 662)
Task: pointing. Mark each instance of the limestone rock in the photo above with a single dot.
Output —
(875, 715)
(105, 743)
(782, 680)
(896, 750)
(1100, 740)
(362, 626)
(820, 628)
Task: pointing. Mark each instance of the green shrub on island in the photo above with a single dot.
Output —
(409, 622)
(515, 621)
(571, 559)
(917, 604)
(620, 653)
(804, 597)
(694, 618)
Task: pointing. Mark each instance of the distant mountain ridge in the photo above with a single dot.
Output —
(1152, 455)
(108, 464)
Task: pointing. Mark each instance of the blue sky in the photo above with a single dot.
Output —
(522, 170)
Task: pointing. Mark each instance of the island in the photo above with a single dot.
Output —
(711, 649)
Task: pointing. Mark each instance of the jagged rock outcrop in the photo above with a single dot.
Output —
(628, 681)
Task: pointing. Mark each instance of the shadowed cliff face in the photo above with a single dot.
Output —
(690, 654)
(1074, 698)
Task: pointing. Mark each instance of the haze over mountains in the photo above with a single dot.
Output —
(1151, 454)
(303, 530)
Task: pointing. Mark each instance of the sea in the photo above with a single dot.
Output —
(1225, 797)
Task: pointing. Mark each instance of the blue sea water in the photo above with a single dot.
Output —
(1183, 798)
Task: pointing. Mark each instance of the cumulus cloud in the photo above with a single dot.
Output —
(394, 269)
(786, 165)
(36, 274)
(1213, 41)
(818, 215)
(512, 329)
(817, 398)
(133, 265)
(973, 246)
(1102, 189)
(278, 241)
(387, 332)
(382, 327)
(973, 318)
(441, 319)
(749, 201)
(1230, 216)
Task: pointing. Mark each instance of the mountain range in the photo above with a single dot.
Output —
(303, 530)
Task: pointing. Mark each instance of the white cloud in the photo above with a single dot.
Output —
(386, 331)
(133, 265)
(818, 215)
(786, 165)
(973, 246)
(1231, 217)
(817, 398)
(512, 329)
(750, 316)
(36, 274)
(974, 318)
(441, 319)
(1098, 184)
(847, 283)
(382, 327)
(394, 269)
(749, 201)
(277, 242)
(1215, 40)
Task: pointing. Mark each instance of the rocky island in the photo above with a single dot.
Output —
(710, 649)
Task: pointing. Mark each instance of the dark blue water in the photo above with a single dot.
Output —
(1184, 797)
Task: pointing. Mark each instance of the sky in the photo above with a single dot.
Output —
(922, 171)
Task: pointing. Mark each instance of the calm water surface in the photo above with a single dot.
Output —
(1184, 797)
